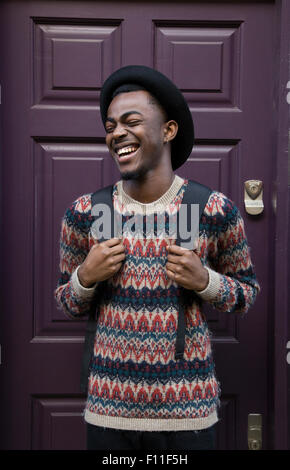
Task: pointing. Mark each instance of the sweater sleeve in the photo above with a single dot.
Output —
(74, 299)
(232, 286)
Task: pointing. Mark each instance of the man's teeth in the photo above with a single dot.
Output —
(126, 150)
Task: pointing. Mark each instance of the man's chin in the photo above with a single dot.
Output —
(133, 175)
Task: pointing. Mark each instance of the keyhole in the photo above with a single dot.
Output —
(254, 188)
(255, 445)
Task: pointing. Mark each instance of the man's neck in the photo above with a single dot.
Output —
(149, 189)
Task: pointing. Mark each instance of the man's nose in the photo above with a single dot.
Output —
(119, 131)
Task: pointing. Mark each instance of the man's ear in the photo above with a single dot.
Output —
(170, 130)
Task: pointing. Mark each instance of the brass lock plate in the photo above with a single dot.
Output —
(255, 431)
(253, 197)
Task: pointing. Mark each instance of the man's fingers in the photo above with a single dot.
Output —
(112, 242)
(174, 259)
(172, 275)
(117, 249)
(119, 258)
(178, 250)
(113, 246)
(118, 267)
(173, 267)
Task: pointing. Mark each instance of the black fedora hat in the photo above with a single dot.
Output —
(166, 93)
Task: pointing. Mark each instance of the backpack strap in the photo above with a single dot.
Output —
(195, 193)
(102, 196)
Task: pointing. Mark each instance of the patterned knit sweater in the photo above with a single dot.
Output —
(135, 382)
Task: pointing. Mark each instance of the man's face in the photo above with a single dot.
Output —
(135, 128)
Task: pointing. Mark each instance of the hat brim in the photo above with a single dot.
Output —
(168, 95)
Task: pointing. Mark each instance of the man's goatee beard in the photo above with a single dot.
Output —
(133, 175)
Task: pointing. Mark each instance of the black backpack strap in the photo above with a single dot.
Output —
(102, 196)
(195, 193)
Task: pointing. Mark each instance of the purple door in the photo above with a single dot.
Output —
(55, 57)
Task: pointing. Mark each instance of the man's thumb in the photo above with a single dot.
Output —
(92, 241)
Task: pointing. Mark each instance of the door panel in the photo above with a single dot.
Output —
(221, 56)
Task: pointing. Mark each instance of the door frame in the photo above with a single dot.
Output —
(279, 331)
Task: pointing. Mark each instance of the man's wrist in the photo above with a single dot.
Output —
(204, 281)
(210, 293)
(82, 280)
(79, 290)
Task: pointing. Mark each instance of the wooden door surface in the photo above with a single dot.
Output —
(55, 57)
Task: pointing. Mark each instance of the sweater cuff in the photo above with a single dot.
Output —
(212, 289)
(81, 291)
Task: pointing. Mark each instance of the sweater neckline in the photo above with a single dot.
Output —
(164, 200)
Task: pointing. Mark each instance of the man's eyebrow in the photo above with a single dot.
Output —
(124, 116)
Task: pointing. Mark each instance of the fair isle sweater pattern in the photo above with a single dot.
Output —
(135, 382)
